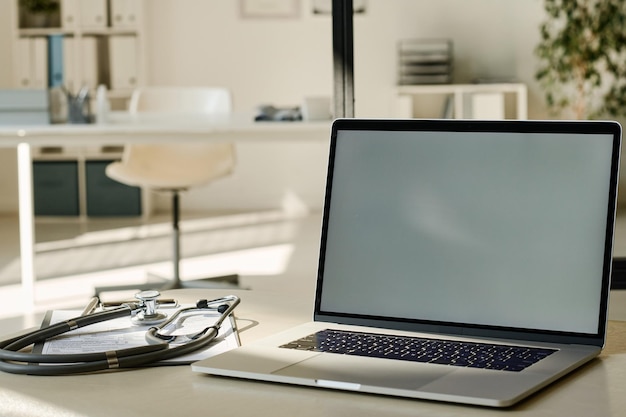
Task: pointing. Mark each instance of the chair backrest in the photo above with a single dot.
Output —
(180, 165)
(190, 100)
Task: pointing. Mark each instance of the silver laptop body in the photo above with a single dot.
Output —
(489, 233)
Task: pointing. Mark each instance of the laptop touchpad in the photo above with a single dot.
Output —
(366, 371)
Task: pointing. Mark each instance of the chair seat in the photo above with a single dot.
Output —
(173, 166)
(155, 180)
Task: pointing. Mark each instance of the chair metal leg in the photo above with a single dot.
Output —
(176, 239)
(226, 281)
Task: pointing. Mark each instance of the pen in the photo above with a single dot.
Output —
(91, 306)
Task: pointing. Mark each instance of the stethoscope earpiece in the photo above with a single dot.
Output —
(205, 304)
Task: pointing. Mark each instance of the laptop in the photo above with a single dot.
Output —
(460, 261)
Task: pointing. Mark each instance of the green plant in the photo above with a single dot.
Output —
(583, 57)
(40, 6)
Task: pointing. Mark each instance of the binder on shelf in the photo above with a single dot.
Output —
(69, 64)
(39, 50)
(123, 62)
(90, 62)
(23, 77)
(32, 62)
(55, 61)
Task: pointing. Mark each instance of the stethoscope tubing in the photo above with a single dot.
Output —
(13, 361)
(60, 328)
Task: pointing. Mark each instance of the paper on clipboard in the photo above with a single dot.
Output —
(120, 333)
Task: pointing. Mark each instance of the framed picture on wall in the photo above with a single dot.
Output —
(269, 8)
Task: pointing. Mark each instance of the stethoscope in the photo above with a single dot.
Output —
(160, 346)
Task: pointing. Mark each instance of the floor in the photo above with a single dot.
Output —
(268, 249)
(73, 257)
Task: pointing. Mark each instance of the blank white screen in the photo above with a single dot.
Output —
(504, 229)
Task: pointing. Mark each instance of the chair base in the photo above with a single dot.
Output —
(226, 281)
(220, 282)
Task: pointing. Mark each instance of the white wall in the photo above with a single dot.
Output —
(491, 38)
(277, 61)
(282, 60)
(8, 163)
(6, 21)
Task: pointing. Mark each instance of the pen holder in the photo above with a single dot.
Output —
(78, 109)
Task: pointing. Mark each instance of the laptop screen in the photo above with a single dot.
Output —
(504, 225)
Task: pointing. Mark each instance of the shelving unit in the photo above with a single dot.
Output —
(467, 101)
(103, 43)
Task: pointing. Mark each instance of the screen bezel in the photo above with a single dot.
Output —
(508, 126)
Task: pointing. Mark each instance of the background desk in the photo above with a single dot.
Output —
(125, 129)
(597, 389)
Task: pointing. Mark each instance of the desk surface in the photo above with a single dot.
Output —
(154, 127)
(597, 389)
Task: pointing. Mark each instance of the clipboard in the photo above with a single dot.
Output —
(121, 333)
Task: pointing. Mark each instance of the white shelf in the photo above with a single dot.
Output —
(92, 31)
(35, 32)
(462, 94)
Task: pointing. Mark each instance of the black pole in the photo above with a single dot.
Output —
(176, 283)
(343, 58)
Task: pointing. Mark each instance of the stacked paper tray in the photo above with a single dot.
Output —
(424, 61)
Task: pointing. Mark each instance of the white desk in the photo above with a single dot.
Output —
(124, 129)
(597, 389)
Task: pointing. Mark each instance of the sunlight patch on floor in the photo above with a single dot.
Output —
(74, 291)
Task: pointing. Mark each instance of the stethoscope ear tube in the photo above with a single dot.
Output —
(225, 306)
(189, 347)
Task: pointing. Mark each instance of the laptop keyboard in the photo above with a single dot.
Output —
(445, 352)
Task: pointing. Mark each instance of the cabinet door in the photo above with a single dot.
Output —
(93, 13)
(55, 188)
(123, 62)
(106, 197)
(124, 13)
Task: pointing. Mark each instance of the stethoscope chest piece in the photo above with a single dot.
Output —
(150, 315)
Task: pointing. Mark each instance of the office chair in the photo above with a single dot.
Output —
(174, 168)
